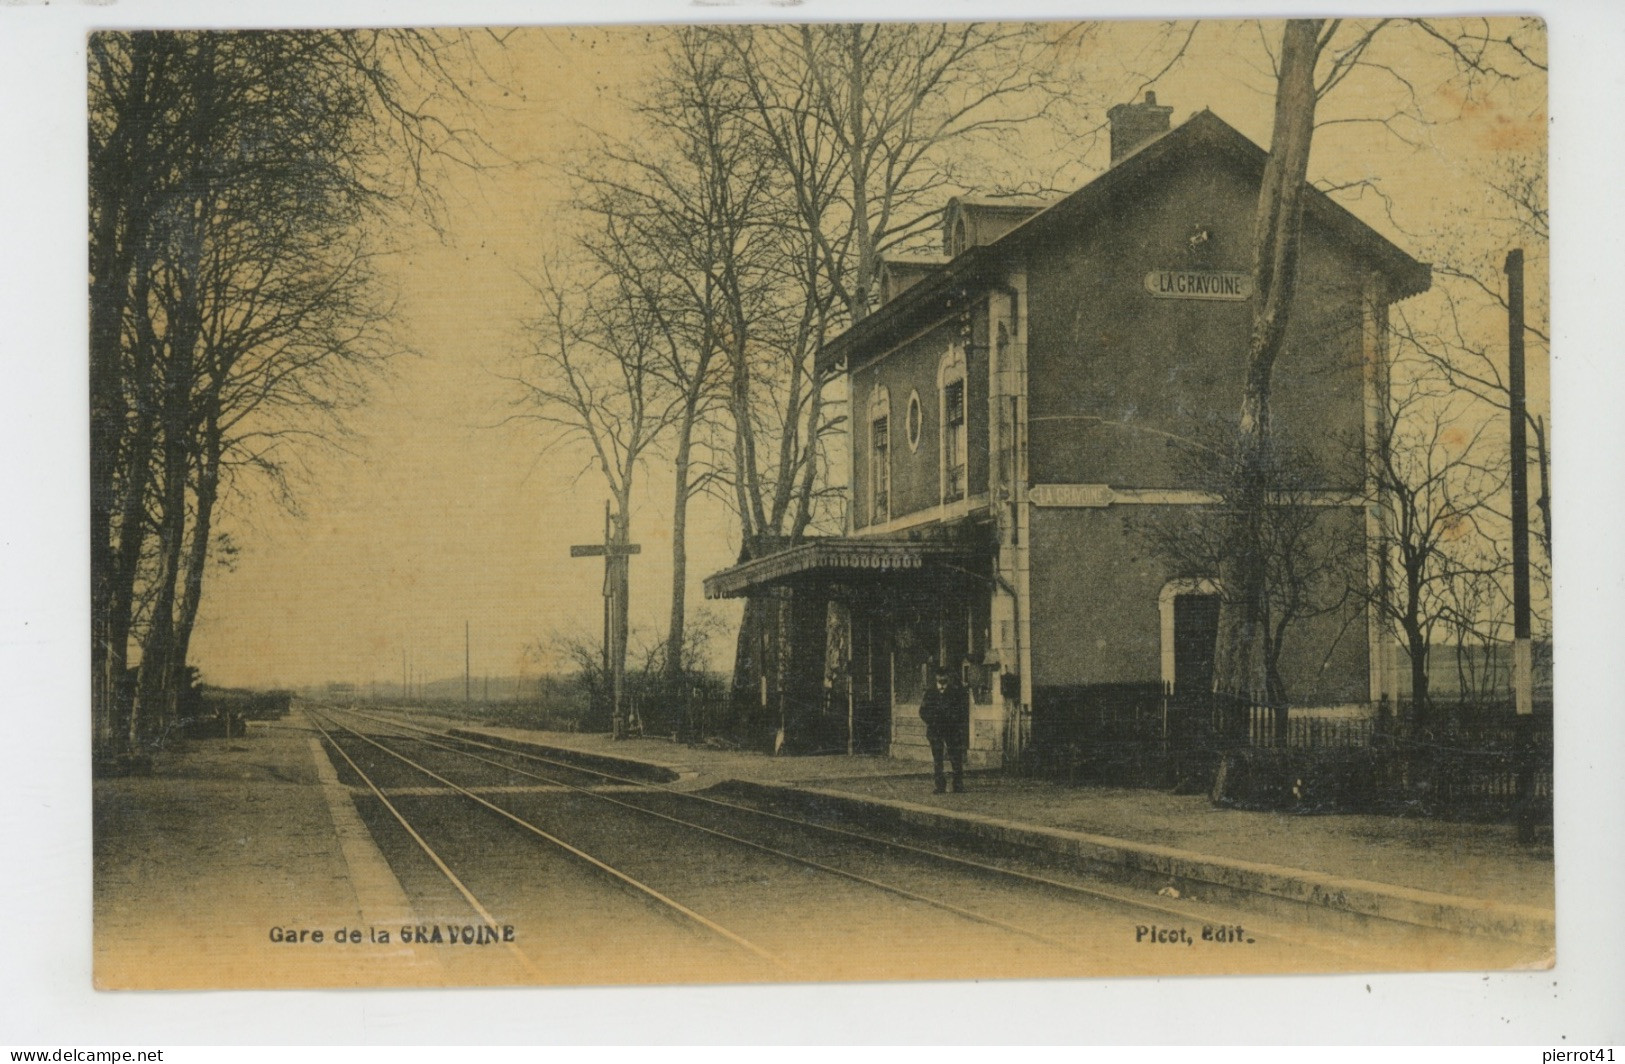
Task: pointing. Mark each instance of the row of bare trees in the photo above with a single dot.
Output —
(236, 183)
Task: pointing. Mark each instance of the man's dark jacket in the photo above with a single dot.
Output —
(946, 713)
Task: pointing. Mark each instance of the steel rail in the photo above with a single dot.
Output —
(1094, 893)
(616, 873)
(468, 895)
(890, 888)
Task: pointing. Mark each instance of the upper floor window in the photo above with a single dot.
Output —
(951, 379)
(879, 456)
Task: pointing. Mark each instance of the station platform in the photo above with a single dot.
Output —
(1451, 876)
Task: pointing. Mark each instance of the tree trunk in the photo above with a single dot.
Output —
(207, 492)
(1544, 501)
(107, 648)
(863, 279)
(136, 475)
(117, 184)
(675, 628)
(789, 450)
(156, 692)
(1417, 645)
(747, 486)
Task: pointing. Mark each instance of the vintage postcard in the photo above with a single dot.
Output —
(823, 502)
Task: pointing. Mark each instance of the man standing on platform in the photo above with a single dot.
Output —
(946, 712)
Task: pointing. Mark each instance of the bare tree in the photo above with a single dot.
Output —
(678, 215)
(1433, 481)
(1478, 621)
(1473, 291)
(893, 97)
(1303, 558)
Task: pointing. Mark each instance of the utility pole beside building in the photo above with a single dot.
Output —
(1522, 652)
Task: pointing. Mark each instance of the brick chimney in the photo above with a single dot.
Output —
(1135, 123)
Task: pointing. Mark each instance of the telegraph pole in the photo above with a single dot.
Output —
(617, 555)
(467, 697)
(1522, 663)
(612, 671)
(1522, 652)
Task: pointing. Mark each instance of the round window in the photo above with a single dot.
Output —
(914, 418)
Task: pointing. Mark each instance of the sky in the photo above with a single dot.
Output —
(444, 511)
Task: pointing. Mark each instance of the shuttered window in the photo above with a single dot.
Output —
(880, 470)
(953, 440)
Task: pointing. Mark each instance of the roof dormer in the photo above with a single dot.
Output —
(899, 273)
(971, 221)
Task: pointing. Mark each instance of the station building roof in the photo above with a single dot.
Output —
(1203, 136)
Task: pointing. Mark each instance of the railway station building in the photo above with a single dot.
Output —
(1015, 405)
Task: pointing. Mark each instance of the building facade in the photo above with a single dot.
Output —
(1019, 409)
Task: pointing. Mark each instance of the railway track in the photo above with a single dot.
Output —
(641, 836)
(481, 910)
(1154, 908)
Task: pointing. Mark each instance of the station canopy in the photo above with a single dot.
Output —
(832, 559)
